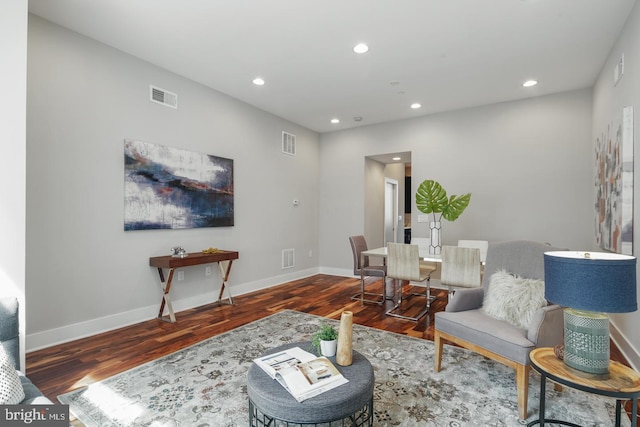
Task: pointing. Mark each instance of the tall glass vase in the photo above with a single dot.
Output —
(435, 229)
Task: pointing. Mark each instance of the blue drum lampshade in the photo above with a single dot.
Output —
(589, 284)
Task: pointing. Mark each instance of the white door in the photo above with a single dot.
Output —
(390, 210)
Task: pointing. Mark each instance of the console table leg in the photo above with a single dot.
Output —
(543, 391)
(166, 288)
(225, 269)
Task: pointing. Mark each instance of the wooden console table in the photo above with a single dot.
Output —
(224, 259)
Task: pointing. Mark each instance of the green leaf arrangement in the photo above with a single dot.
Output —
(431, 198)
(326, 333)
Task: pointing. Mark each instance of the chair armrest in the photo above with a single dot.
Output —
(547, 326)
(466, 299)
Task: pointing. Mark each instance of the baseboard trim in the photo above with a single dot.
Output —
(51, 337)
(625, 347)
(336, 271)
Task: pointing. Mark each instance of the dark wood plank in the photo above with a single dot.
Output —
(62, 368)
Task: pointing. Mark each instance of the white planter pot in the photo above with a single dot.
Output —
(328, 348)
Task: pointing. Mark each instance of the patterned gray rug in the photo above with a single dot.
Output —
(205, 384)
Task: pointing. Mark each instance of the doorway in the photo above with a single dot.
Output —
(391, 219)
(378, 215)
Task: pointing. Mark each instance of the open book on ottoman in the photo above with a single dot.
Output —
(301, 373)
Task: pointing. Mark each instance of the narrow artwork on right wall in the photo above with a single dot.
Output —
(614, 185)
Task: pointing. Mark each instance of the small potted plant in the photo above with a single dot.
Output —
(325, 341)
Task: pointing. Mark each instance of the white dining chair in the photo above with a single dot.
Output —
(480, 244)
(460, 268)
(403, 264)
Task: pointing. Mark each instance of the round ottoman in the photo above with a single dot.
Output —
(270, 403)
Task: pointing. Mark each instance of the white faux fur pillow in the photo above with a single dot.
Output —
(513, 298)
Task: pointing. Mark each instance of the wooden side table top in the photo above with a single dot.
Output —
(620, 380)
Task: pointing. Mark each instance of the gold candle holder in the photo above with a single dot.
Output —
(344, 354)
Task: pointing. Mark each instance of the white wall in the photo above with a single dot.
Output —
(374, 185)
(13, 86)
(528, 165)
(373, 220)
(84, 273)
(608, 102)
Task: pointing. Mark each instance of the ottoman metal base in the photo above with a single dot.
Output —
(362, 417)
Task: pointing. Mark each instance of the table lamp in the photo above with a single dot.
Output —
(589, 285)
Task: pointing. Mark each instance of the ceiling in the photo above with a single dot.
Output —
(443, 54)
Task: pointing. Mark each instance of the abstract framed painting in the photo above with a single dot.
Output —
(614, 185)
(172, 188)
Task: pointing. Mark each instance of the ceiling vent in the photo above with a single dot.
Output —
(288, 143)
(288, 258)
(163, 97)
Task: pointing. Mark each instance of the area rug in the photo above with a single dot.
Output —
(205, 384)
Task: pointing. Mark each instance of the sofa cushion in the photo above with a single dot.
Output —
(513, 298)
(11, 391)
(32, 395)
(487, 332)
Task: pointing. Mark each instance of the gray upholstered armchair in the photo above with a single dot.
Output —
(9, 339)
(465, 323)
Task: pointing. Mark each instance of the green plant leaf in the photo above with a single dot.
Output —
(455, 207)
(431, 197)
(326, 333)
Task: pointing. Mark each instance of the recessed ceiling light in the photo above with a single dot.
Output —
(335, 121)
(258, 81)
(416, 105)
(396, 158)
(530, 83)
(360, 48)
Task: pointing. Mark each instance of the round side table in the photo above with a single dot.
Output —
(623, 383)
(270, 404)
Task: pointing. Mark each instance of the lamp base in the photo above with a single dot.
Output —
(586, 341)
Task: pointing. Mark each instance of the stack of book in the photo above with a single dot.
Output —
(302, 374)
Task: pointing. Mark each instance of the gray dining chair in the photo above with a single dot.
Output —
(364, 270)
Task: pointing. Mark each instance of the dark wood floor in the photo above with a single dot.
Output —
(58, 369)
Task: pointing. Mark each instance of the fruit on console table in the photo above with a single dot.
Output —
(212, 251)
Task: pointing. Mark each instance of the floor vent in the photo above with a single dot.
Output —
(163, 97)
(288, 143)
(288, 258)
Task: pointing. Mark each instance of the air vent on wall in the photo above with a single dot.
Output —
(288, 258)
(163, 97)
(288, 143)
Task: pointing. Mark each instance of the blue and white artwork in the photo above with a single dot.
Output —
(171, 188)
